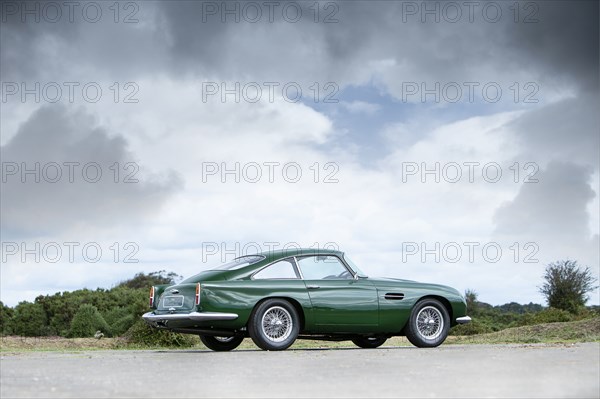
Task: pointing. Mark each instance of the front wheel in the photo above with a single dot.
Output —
(429, 324)
(274, 325)
(369, 342)
(221, 344)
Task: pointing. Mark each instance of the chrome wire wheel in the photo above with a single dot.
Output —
(430, 322)
(277, 324)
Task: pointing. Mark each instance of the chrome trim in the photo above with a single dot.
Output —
(195, 316)
(463, 320)
(342, 262)
(297, 266)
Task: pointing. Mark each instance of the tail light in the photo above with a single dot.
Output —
(152, 296)
(197, 301)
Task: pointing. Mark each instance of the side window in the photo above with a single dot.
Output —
(282, 269)
(322, 267)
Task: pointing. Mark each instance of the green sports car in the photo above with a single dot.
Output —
(277, 297)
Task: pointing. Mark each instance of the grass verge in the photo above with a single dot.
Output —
(568, 332)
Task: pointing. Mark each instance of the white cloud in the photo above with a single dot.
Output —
(371, 211)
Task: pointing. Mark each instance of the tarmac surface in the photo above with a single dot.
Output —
(536, 370)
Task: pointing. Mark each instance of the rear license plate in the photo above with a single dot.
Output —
(174, 301)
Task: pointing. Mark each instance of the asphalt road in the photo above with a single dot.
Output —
(448, 371)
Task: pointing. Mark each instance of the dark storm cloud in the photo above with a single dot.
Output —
(33, 46)
(190, 37)
(50, 179)
(360, 32)
(564, 41)
(553, 208)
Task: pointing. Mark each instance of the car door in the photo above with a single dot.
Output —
(339, 302)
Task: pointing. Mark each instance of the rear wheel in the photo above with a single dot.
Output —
(429, 324)
(369, 342)
(274, 325)
(221, 344)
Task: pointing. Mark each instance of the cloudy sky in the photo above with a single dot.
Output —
(447, 142)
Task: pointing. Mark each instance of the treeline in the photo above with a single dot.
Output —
(487, 318)
(117, 311)
(83, 312)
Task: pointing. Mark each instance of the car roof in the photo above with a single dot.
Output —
(284, 253)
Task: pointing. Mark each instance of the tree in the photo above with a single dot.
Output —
(87, 321)
(471, 298)
(29, 320)
(566, 285)
(145, 281)
(6, 315)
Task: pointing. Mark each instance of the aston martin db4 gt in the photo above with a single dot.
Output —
(277, 297)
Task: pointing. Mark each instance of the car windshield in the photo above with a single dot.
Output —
(354, 267)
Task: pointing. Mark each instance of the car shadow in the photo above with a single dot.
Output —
(286, 350)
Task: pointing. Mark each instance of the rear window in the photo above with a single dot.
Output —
(240, 262)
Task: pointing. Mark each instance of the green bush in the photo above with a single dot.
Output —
(113, 315)
(474, 327)
(29, 320)
(6, 316)
(121, 326)
(120, 319)
(87, 321)
(141, 334)
(552, 315)
(548, 315)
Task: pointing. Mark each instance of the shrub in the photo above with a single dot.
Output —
(6, 315)
(87, 321)
(29, 320)
(566, 285)
(141, 334)
(472, 328)
(120, 319)
(552, 315)
(121, 326)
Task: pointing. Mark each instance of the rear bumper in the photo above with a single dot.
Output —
(150, 317)
(463, 320)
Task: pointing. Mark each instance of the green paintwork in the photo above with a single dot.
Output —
(338, 307)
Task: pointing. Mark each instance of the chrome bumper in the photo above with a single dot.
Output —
(195, 316)
(463, 320)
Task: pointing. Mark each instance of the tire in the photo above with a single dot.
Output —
(274, 325)
(429, 324)
(221, 344)
(369, 342)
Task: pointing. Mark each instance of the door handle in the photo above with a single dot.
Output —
(312, 287)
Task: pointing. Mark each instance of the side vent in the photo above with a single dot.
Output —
(394, 296)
